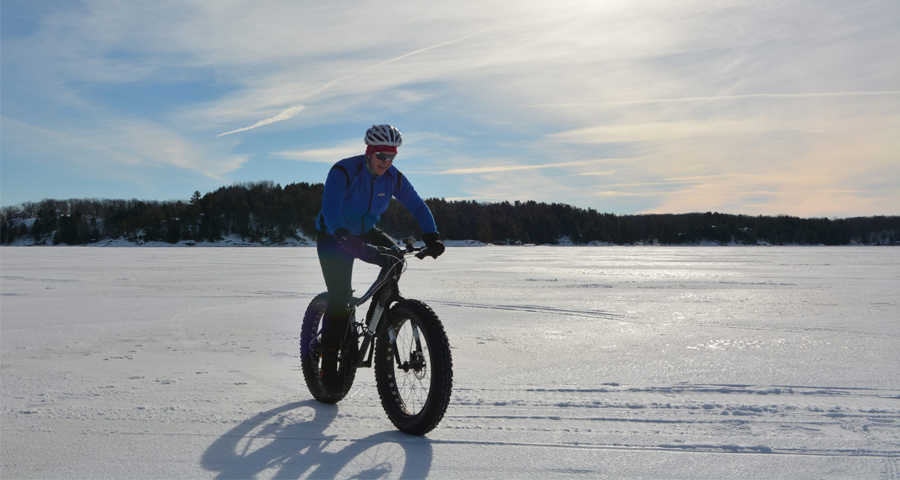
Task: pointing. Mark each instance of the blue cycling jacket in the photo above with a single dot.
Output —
(354, 198)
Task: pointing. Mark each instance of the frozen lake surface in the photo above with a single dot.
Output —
(604, 362)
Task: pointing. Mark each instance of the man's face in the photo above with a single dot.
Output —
(380, 162)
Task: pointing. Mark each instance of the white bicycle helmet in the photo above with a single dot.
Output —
(383, 135)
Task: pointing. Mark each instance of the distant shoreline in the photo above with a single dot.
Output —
(267, 214)
(307, 243)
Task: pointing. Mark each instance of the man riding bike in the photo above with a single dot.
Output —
(357, 192)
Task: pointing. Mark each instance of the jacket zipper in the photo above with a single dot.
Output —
(371, 194)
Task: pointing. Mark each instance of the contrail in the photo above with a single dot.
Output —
(292, 111)
(724, 97)
(286, 114)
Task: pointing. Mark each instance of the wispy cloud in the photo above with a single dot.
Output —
(116, 148)
(284, 115)
(520, 167)
(644, 184)
(293, 111)
(323, 155)
(596, 174)
(671, 130)
(720, 98)
(760, 108)
(654, 194)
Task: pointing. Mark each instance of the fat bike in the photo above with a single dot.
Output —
(402, 337)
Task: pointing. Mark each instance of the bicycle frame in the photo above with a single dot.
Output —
(411, 356)
(384, 291)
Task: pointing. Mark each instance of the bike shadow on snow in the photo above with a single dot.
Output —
(290, 441)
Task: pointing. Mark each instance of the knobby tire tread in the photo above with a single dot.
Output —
(309, 362)
(440, 365)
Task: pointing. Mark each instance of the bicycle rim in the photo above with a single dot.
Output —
(415, 381)
(310, 353)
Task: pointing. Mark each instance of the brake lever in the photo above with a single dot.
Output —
(422, 253)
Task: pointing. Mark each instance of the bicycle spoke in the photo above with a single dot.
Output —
(414, 371)
(413, 379)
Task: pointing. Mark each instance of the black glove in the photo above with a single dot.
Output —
(353, 245)
(434, 244)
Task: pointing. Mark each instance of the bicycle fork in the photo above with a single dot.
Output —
(367, 348)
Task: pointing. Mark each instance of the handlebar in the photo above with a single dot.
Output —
(420, 252)
(389, 270)
(423, 251)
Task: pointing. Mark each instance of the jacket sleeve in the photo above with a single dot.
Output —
(333, 198)
(414, 203)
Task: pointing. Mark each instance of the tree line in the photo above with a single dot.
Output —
(269, 214)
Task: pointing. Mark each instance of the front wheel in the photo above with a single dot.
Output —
(415, 372)
(311, 353)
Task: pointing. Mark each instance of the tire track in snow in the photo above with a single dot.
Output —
(533, 309)
(729, 419)
(698, 448)
(615, 316)
(767, 327)
(892, 466)
(261, 295)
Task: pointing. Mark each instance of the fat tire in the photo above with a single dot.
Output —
(310, 358)
(439, 365)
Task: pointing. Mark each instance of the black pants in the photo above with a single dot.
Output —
(337, 267)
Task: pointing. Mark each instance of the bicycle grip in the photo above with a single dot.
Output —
(422, 253)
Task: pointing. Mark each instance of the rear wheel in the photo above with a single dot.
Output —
(415, 372)
(311, 353)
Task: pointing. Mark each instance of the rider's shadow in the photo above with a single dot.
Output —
(289, 442)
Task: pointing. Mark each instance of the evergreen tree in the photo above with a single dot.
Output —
(264, 211)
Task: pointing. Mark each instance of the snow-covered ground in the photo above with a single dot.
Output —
(604, 362)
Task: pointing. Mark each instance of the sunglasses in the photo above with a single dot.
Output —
(384, 157)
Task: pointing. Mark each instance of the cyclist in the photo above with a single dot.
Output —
(358, 190)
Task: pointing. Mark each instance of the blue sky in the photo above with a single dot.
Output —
(752, 107)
